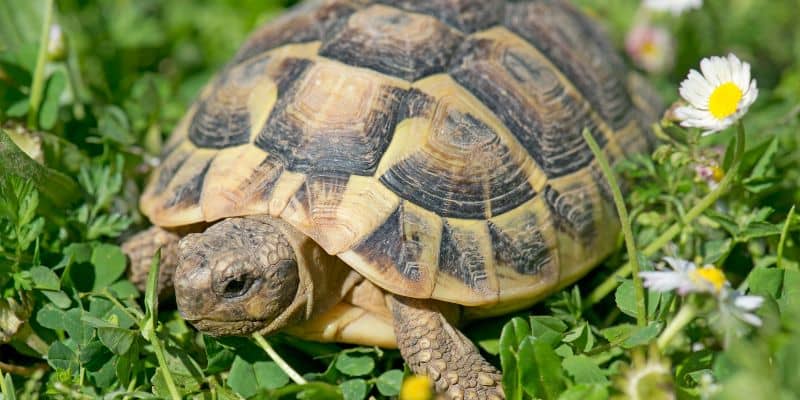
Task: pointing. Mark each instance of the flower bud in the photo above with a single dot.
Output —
(56, 44)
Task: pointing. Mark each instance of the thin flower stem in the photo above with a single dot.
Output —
(686, 314)
(278, 360)
(625, 222)
(37, 87)
(601, 291)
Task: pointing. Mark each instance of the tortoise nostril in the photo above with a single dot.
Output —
(236, 287)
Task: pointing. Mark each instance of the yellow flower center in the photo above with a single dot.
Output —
(717, 173)
(724, 100)
(649, 48)
(710, 274)
(416, 387)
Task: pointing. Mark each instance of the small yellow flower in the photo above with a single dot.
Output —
(717, 173)
(709, 172)
(416, 387)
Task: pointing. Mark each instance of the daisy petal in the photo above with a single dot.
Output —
(751, 319)
(680, 265)
(749, 303)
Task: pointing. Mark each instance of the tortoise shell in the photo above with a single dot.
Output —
(433, 145)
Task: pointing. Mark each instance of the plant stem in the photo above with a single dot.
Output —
(133, 313)
(625, 222)
(686, 314)
(150, 322)
(278, 360)
(710, 199)
(22, 370)
(37, 86)
(162, 362)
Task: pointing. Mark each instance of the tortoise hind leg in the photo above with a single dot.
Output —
(140, 249)
(433, 347)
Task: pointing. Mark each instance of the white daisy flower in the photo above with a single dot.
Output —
(685, 278)
(676, 7)
(719, 96)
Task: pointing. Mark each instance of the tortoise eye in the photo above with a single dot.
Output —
(236, 286)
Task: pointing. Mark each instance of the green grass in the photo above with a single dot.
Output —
(95, 110)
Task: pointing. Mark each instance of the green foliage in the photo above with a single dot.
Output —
(79, 136)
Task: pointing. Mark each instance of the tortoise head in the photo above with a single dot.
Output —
(237, 277)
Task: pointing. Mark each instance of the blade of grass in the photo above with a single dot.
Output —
(287, 369)
(37, 87)
(625, 222)
(7, 387)
(686, 314)
(149, 324)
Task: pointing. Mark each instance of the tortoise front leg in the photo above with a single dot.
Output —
(433, 347)
(140, 249)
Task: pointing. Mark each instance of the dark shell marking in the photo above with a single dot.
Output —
(396, 244)
(460, 256)
(188, 193)
(465, 15)
(222, 119)
(573, 211)
(169, 169)
(397, 43)
(308, 22)
(262, 181)
(523, 248)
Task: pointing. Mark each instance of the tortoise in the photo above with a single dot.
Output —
(381, 172)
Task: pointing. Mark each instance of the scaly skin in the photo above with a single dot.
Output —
(432, 346)
(140, 249)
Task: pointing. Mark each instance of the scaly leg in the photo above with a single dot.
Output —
(433, 347)
(140, 249)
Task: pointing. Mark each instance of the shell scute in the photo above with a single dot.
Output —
(333, 118)
(393, 42)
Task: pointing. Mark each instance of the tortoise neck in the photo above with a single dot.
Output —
(324, 279)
